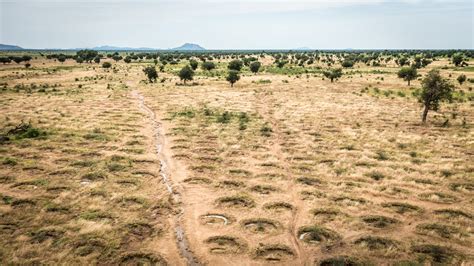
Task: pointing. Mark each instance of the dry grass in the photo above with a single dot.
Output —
(304, 170)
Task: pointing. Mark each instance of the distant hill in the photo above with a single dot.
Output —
(115, 48)
(184, 47)
(303, 49)
(10, 47)
(189, 47)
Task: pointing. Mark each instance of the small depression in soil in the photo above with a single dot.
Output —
(274, 252)
(263, 226)
(225, 244)
(215, 219)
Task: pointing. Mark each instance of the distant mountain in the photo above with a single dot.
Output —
(189, 47)
(115, 48)
(303, 49)
(184, 47)
(10, 47)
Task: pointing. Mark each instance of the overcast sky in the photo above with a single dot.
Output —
(247, 24)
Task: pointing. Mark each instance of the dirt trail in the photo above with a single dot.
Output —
(181, 240)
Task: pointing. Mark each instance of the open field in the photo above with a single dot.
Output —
(99, 166)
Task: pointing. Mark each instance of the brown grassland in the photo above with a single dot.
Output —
(282, 168)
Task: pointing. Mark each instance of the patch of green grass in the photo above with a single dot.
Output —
(375, 242)
(442, 230)
(435, 253)
(379, 221)
(236, 201)
(315, 234)
(401, 207)
(376, 175)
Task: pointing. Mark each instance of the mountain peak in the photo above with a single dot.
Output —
(189, 47)
(9, 47)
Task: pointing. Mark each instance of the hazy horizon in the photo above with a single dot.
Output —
(251, 25)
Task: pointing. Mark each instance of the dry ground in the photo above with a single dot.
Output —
(285, 169)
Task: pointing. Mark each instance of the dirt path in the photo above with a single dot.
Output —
(181, 240)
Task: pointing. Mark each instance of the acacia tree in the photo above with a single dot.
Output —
(233, 77)
(402, 61)
(333, 74)
(461, 79)
(235, 65)
(208, 65)
(5, 60)
(255, 66)
(435, 89)
(407, 74)
(186, 73)
(280, 63)
(194, 64)
(457, 59)
(347, 63)
(86, 55)
(151, 73)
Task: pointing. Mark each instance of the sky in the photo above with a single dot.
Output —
(245, 24)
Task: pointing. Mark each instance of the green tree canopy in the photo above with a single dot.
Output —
(435, 89)
(151, 73)
(186, 73)
(407, 74)
(232, 77)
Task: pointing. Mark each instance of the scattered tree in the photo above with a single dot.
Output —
(408, 74)
(457, 59)
(347, 63)
(333, 74)
(194, 64)
(117, 58)
(5, 60)
(208, 65)
(151, 73)
(86, 55)
(186, 73)
(232, 77)
(402, 61)
(434, 90)
(235, 65)
(461, 79)
(62, 58)
(255, 66)
(280, 63)
(106, 65)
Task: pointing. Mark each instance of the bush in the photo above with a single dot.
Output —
(106, 65)
(235, 65)
(461, 79)
(233, 77)
(347, 63)
(194, 64)
(186, 73)
(151, 73)
(333, 74)
(407, 74)
(208, 65)
(255, 66)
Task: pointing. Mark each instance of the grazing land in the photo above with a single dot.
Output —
(100, 165)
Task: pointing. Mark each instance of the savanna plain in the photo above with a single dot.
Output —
(316, 158)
